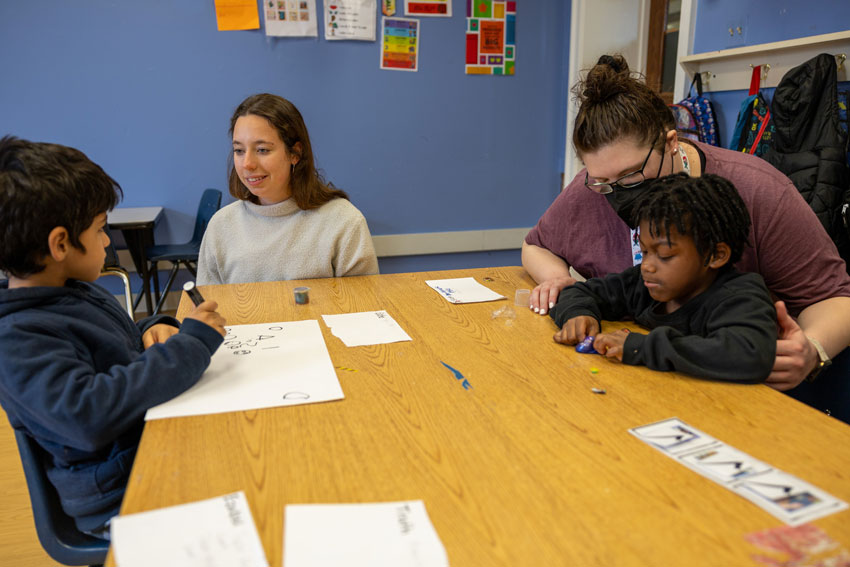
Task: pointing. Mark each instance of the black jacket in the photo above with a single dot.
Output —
(809, 145)
(728, 332)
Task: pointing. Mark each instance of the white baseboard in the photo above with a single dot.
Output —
(388, 245)
(417, 244)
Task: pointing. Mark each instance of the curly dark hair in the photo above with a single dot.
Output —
(708, 209)
(43, 186)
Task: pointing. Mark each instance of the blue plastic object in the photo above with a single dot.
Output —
(586, 346)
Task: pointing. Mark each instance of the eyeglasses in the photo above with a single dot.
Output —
(627, 181)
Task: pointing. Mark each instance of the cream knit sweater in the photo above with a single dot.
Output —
(245, 242)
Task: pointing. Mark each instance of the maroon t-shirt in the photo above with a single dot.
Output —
(789, 247)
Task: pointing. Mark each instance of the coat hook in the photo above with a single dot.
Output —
(840, 59)
(706, 77)
(765, 67)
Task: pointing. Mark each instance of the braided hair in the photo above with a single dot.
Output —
(708, 209)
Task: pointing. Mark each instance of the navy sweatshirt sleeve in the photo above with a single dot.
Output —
(65, 400)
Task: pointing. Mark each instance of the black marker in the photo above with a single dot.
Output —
(194, 294)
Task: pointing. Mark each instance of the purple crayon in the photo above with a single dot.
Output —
(586, 346)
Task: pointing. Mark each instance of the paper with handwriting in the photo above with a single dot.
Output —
(218, 532)
(386, 534)
(366, 328)
(260, 366)
(463, 290)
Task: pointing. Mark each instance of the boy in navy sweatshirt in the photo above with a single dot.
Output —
(77, 373)
(706, 318)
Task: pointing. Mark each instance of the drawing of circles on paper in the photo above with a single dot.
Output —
(296, 396)
(241, 352)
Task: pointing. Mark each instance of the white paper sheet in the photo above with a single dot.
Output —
(463, 290)
(290, 18)
(261, 366)
(218, 532)
(390, 534)
(350, 19)
(366, 328)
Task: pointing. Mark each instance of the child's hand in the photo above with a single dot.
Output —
(611, 344)
(576, 329)
(206, 313)
(158, 334)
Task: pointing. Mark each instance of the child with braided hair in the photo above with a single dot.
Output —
(706, 318)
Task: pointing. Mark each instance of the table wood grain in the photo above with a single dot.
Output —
(527, 467)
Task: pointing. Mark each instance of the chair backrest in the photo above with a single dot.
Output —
(111, 260)
(210, 203)
(57, 531)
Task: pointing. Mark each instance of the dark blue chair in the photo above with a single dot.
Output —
(57, 531)
(186, 254)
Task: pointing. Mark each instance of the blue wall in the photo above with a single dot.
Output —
(146, 89)
(761, 21)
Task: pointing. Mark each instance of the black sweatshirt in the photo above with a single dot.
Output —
(728, 332)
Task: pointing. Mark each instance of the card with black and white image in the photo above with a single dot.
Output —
(672, 436)
(790, 499)
(723, 463)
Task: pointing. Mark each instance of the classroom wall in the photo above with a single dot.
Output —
(146, 89)
(761, 21)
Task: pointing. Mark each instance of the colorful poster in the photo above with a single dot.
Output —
(350, 19)
(237, 15)
(290, 18)
(400, 44)
(490, 37)
(437, 8)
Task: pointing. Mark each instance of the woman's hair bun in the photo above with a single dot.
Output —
(617, 63)
(608, 78)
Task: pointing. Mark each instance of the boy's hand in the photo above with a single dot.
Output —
(158, 334)
(206, 313)
(611, 344)
(576, 329)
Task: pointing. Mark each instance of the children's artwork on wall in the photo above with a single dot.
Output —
(490, 37)
(400, 44)
(437, 8)
(236, 15)
(388, 7)
(350, 19)
(290, 18)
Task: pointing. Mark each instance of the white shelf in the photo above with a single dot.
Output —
(730, 69)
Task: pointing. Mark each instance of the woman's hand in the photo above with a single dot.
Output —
(545, 295)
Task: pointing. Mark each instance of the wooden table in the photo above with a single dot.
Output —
(528, 467)
(136, 225)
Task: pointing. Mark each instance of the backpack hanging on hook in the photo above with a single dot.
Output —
(754, 128)
(695, 118)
